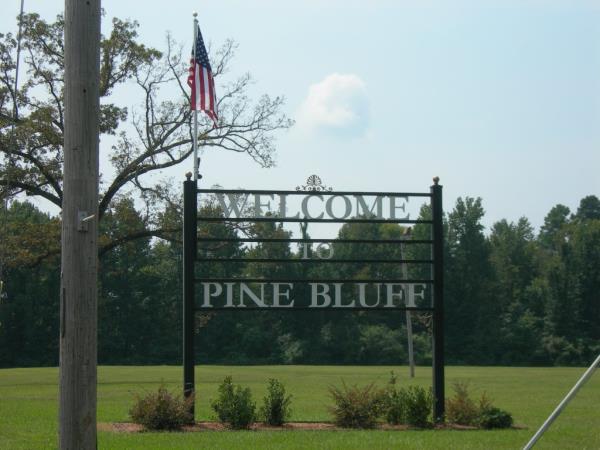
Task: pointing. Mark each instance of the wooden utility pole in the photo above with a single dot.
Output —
(79, 265)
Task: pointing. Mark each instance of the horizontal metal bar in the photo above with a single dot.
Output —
(315, 260)
(295, 219)
(327, 241)
(309, 308)
(267, 192)
(264, 280)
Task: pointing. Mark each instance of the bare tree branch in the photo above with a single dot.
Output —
(152, 136)
(162, 233)
(31, 190)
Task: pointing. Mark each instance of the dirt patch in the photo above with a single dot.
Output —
(125, 427)
(120, 427)
(297, 426)
(454, 426)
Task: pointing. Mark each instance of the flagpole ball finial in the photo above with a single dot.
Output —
(188, 175)
(436, 180)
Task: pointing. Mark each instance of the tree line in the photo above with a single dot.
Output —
(512, 296)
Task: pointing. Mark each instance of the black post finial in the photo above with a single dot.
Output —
(436, 180)
(188, 175)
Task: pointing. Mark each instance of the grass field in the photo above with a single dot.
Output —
(28, 407)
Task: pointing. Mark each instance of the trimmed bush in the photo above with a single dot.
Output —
(234, 406)
(356, 407)
(419, 404)
(460, 409)
(276, 405)
(494, 418)
(161, 410)
(394, 403)
(411, 406)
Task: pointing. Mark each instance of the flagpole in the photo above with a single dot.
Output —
(195, 136)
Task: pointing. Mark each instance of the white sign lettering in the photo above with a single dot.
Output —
(313, 206)
(321, 295)
(277, 293)
(315, 294)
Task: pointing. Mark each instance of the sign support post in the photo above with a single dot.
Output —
(437, 231)
(190, 231)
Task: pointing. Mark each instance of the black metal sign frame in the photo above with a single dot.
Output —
(190, 257)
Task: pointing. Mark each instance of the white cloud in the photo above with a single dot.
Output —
(337, 104)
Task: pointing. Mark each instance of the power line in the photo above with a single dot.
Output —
(19, 36)
(10, 161)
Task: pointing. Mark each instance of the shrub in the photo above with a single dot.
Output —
(276, 405)
(394, 403)
(491, 417)
(419, 403)
(494, 418)
(461, 409)
(484, 403)
(356, 407)
(234, 406)
(161, 410)
(411, 406)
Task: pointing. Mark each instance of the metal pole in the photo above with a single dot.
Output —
(189, 256)
(195, 137)
(409, 333)
(586, 376)
(305, 252)
(437, 231)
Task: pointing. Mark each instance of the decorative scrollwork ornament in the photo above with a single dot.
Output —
(314, 184)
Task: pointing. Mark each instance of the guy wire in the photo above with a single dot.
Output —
(9, 159)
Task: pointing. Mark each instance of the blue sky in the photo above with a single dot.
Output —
(500, 99)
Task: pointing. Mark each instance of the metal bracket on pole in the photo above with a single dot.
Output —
(82, 221)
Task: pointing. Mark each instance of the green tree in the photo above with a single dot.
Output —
(553, 223)
(149, 139)
(218, 331)
(29, 299)
(589, 208)
(514, 259)
(573, 305)
(126, 295)
(362, 337)
(163, 274)
(471, 315)
(257, 332)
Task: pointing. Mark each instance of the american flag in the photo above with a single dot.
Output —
(201, 81)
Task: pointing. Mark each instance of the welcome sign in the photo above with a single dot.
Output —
(313, 202)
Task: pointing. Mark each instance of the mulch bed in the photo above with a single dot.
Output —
(125, 427)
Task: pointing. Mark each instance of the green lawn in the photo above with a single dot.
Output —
(28, 407)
